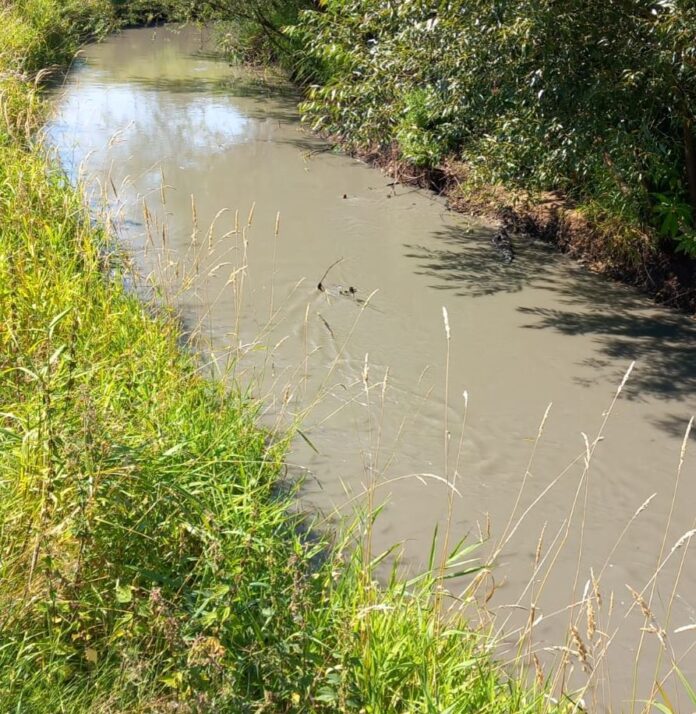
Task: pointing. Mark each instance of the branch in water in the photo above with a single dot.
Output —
(320, 284)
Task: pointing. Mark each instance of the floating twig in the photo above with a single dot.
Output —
(320, 284)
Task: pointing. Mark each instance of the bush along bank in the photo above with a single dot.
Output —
(584, 114)
(149, 560)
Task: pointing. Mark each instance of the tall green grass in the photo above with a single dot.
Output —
(150, 559)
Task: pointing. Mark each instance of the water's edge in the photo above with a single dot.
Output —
(179, 143)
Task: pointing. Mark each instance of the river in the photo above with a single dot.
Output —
(187, 151)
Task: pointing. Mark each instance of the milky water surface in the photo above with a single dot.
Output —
(176, 142)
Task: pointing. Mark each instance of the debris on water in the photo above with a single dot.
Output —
(503, 244)
(335, 290)
(326, 325)
(320, 284)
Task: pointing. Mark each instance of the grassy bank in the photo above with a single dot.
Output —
(149, 557)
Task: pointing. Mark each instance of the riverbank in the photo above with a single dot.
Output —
(508, 111)
(151, 560)
(600, 243)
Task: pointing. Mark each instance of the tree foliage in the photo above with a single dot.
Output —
(595, 98)
(249, 30)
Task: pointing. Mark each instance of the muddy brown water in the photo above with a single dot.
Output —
(150, 118)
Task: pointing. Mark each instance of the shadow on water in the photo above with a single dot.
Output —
(271, 100)
(471, 267)
(623, 325)
(663, 345)
(252, 88)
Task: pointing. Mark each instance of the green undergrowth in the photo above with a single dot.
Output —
(150, 557)
(590, 99)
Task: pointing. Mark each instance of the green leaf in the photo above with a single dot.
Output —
(687, 686)
(327, 695)
(124, 593)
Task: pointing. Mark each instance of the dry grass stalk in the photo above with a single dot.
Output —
(653, 626)
(539, 672)
(591, 620)
(595, 589)
(537, 552)
(581, 649)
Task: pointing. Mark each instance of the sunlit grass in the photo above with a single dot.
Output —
(149, 556)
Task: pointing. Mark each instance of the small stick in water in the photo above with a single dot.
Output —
(326, 324)
(320, 284)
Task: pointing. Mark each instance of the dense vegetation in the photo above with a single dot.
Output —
(510, 103)
(149, 556)
(591, 98)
